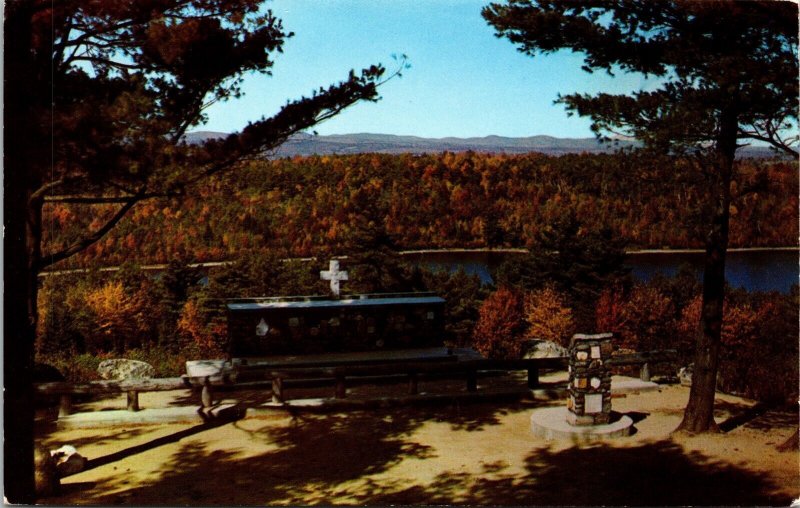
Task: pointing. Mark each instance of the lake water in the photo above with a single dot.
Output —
(762, 270)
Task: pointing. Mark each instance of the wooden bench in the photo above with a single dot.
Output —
(644, 360)
(340, 374)
(256, 375)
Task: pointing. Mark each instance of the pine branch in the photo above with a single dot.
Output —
(97, 200)
(773, 140)
(86, 242)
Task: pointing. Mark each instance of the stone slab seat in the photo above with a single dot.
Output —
(123, 369)
(216, 414)
(217, 372)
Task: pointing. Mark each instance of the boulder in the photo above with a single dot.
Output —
(120, 368)
(538, 348)
(68, 460)
(45, 473)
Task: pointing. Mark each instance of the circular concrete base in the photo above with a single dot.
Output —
(551, 423)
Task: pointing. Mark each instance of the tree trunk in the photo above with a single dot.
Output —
(26, 151)
(791, 444)
(19, 306)
(699, 413)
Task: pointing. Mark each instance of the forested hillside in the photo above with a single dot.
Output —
(320, 205)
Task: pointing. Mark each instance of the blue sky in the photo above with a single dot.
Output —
(463, 81)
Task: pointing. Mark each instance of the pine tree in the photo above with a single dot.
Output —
(99, 96)
(728, 72)
(577, 263)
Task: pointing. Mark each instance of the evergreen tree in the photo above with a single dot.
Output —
(376, 263)
(463, 295)
(577, 263)
(172, 289)
(99, 96)
(728, 72)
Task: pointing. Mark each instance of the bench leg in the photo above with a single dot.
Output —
(644, 372)
(65, 405)
(341, 390)
(205, 395)
(472, 381)
(533, 378)
(133, 400)
(277, 390)
(413, 383)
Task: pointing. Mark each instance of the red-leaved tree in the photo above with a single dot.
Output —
(500, 330)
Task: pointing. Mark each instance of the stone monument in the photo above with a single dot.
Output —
(587, 416)
(589, 388)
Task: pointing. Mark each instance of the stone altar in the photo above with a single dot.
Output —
(307, 325)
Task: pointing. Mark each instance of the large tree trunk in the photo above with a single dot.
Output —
(19, 307)
(26, 152)
(699, 413)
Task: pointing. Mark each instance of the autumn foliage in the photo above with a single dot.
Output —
(118, 317)
(197, 335)
(641, 318)
(759, 344)
(311, 205)
(508, 319)
(499, 332)
(548, 316)
(176, 316)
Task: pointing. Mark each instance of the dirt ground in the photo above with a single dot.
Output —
(482, 453)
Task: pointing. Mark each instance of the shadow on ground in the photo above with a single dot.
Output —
(334, 459)
(772, 419)
(653, 474)
(112, 436)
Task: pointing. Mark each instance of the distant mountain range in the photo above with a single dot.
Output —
(308, 144)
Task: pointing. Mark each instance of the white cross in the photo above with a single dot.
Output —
(334, 275)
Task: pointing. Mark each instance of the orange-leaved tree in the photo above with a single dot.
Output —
(117, 317)
(500, 330)
(548, 316)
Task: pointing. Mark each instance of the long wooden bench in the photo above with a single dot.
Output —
(467, 369)
(274, 377)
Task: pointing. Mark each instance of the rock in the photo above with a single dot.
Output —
(120, 368)
(538, 348)
(685, 375)
(68, 460)
(45, 473)
(210, 368)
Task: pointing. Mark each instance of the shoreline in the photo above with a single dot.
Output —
(701, 251)
(487, 250)
(423, 252)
